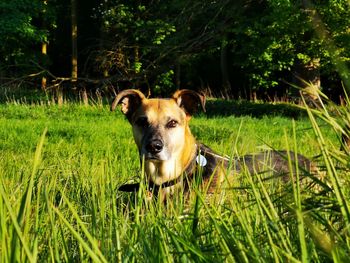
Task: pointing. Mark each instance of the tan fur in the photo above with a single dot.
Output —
(179, 143)
(158, 111)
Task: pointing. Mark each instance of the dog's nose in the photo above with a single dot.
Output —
(155, 146)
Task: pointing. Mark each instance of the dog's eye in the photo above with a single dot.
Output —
(171, 124)
(142, 122)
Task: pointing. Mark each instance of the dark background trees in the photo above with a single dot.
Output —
(240, 49)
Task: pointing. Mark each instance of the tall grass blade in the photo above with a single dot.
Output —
(231, 246)
(184, 246)
(81, 224)
(19, 233)
(54, 248)
(95, 257)
(26, 204)
(330, 167)
(294, 171)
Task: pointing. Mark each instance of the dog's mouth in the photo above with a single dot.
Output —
(159, 157)
(152, 158)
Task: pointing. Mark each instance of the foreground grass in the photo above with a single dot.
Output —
(60, 168)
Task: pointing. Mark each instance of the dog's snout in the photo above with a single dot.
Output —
(154, 146)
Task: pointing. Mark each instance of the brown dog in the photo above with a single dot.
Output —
(172, 156)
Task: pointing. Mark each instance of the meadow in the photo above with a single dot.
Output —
(60, 168)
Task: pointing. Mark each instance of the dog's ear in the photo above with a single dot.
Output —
(189, 100)
(130, 100)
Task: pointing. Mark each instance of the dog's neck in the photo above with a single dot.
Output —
(160, 172)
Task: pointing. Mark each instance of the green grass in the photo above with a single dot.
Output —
(60, 168)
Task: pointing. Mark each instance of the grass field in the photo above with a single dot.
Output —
(60, 168)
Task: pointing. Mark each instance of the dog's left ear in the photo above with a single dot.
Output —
(130, 99)
(189, 100)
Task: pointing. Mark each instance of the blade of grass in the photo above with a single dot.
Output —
(244, 218)
(265, 216)
(25, 207)
(16, 225)
(4, 234)
(95, 257)
(54, 248)
(65, 245)
(81, 224)
(330, 167)
(183, 245)
(269, 210)
(296, 194)
(140, 193)
(119, 249)
(231, 246)
(164, 253)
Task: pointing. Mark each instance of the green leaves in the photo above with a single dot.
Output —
(256, 44)
(278, 34)
(22, 32)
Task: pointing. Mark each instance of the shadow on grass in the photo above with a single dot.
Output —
(220, 107)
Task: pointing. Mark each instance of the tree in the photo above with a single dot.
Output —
(44, 44)
(133, 31)
(21, 35)
(74, 28)
(230, 48)
(282, 38)
(152, 42)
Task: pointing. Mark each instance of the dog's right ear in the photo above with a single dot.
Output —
(189, 101)
(130, 100)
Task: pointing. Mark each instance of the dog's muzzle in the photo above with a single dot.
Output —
(154, 146)
(154, 149)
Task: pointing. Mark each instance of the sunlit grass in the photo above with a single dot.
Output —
(60, 168)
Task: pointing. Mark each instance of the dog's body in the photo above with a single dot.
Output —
(171, 155)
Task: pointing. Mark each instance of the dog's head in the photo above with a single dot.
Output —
(160, 126)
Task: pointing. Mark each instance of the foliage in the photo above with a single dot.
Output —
(135, 30)
(251, 45)
(276, 35)
(270, 41)
(22, 32)
(164, 83)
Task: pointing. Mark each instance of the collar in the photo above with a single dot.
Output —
(198, 159)
(189, 171)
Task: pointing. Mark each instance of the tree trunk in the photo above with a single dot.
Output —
(226, 85)
(44, 46)
(44, 53)
(74, 42)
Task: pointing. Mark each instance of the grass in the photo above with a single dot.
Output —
(60, 168)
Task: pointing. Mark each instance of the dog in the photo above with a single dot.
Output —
(172, 157)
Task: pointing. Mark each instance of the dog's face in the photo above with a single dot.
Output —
(159, 129)
(159, 125)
